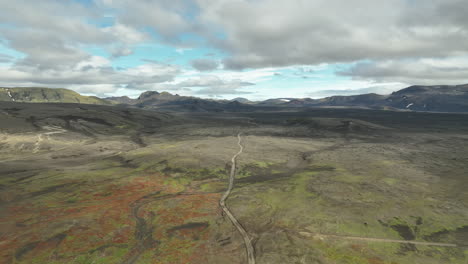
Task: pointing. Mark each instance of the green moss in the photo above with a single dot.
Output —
(261, 164)
(243, 173)
(204, 173)
(112, 255)
(294, 192)
(356, 227)
(178, 183)
(349, 178)
(390, 181)
(301, 182)
(340, 255)
(72, 200)
(213, 187)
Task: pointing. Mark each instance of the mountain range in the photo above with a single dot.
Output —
(441, 98)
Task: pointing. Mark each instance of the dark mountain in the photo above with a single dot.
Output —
(431, 98)
(170, 102)
(418, 98)
(120, 100)
(276, 101)
(362, 100)
(241, 100)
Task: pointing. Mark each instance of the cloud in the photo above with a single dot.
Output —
(102, 90)
(93, 75)
(228, 88)
(125, 37)
(204, 64)
(208, 85)
(121, 52)
(378, 89)
(215, 86)
(181, 51)
(202, 81)
(126, 34)
(44, 50)
(5, 58)
(65, 18)
(166, 17)
(426, 71)
(54, 34)
(396, 41)
(332, 31)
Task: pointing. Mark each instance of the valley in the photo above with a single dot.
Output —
(111, 184)
(233, 132)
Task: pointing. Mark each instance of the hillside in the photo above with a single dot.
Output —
(416, 98)
(431, 98)
(176, 103)
(47, 95)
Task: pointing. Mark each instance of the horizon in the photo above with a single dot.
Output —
(209, 49)
(344, 93)
(211, 98)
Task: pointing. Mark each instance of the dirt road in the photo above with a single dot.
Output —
(247, 241)
(322, 236)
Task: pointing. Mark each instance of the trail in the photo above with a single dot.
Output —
(247, 241)
(55, 130)
(321, 236)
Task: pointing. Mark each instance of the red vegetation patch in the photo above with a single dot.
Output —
(375, 261)
(100, 215)
(182, 226)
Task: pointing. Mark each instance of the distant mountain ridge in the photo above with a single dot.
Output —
(441, 98)
(47, 95)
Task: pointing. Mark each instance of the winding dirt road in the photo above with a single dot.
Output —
(247, 241)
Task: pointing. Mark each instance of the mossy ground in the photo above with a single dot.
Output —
(108, 195)
(348, 199)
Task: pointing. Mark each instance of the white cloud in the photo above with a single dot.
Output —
(93, 75)
(350, 88)
(299, 32)
(165, 17)
(425, 71)
(93, 62)
(121, 51)
(126, 34)
(204, 64)
(5, 58)
(402, 41)
(208, 85)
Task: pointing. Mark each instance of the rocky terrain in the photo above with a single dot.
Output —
(115, 184)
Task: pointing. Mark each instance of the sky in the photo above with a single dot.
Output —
(222, 49)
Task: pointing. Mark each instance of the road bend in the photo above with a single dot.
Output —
(247, 241)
